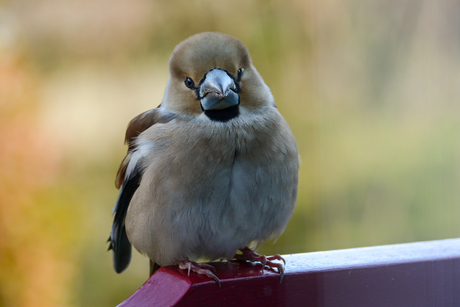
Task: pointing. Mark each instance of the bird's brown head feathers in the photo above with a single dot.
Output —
(213, 73)
(198, 54)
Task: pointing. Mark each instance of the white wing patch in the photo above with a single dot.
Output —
(143, 148)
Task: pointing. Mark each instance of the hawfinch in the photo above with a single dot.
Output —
(212, 171)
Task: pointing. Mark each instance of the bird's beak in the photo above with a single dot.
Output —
(218, 91)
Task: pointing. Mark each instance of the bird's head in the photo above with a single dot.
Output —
(212, 73)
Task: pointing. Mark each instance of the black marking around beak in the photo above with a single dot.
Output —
(223, 115)
(218, 93)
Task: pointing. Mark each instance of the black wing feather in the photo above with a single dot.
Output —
(119, 242)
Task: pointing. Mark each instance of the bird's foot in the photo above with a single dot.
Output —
(199, 268)
(249, 254)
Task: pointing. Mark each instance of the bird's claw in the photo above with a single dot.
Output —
(277, 257)
(199, 268)
(249, 254)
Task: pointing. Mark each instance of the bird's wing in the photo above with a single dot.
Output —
(128, 179)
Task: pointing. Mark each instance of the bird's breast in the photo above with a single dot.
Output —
(212, 189)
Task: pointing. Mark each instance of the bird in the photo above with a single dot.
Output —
(212, 172)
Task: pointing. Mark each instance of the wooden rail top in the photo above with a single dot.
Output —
(413, 274)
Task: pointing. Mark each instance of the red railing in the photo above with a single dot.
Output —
(413, 274)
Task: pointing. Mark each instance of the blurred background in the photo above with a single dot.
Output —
(371, 90)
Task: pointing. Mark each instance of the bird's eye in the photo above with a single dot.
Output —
(189, 83)
(240, 74)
